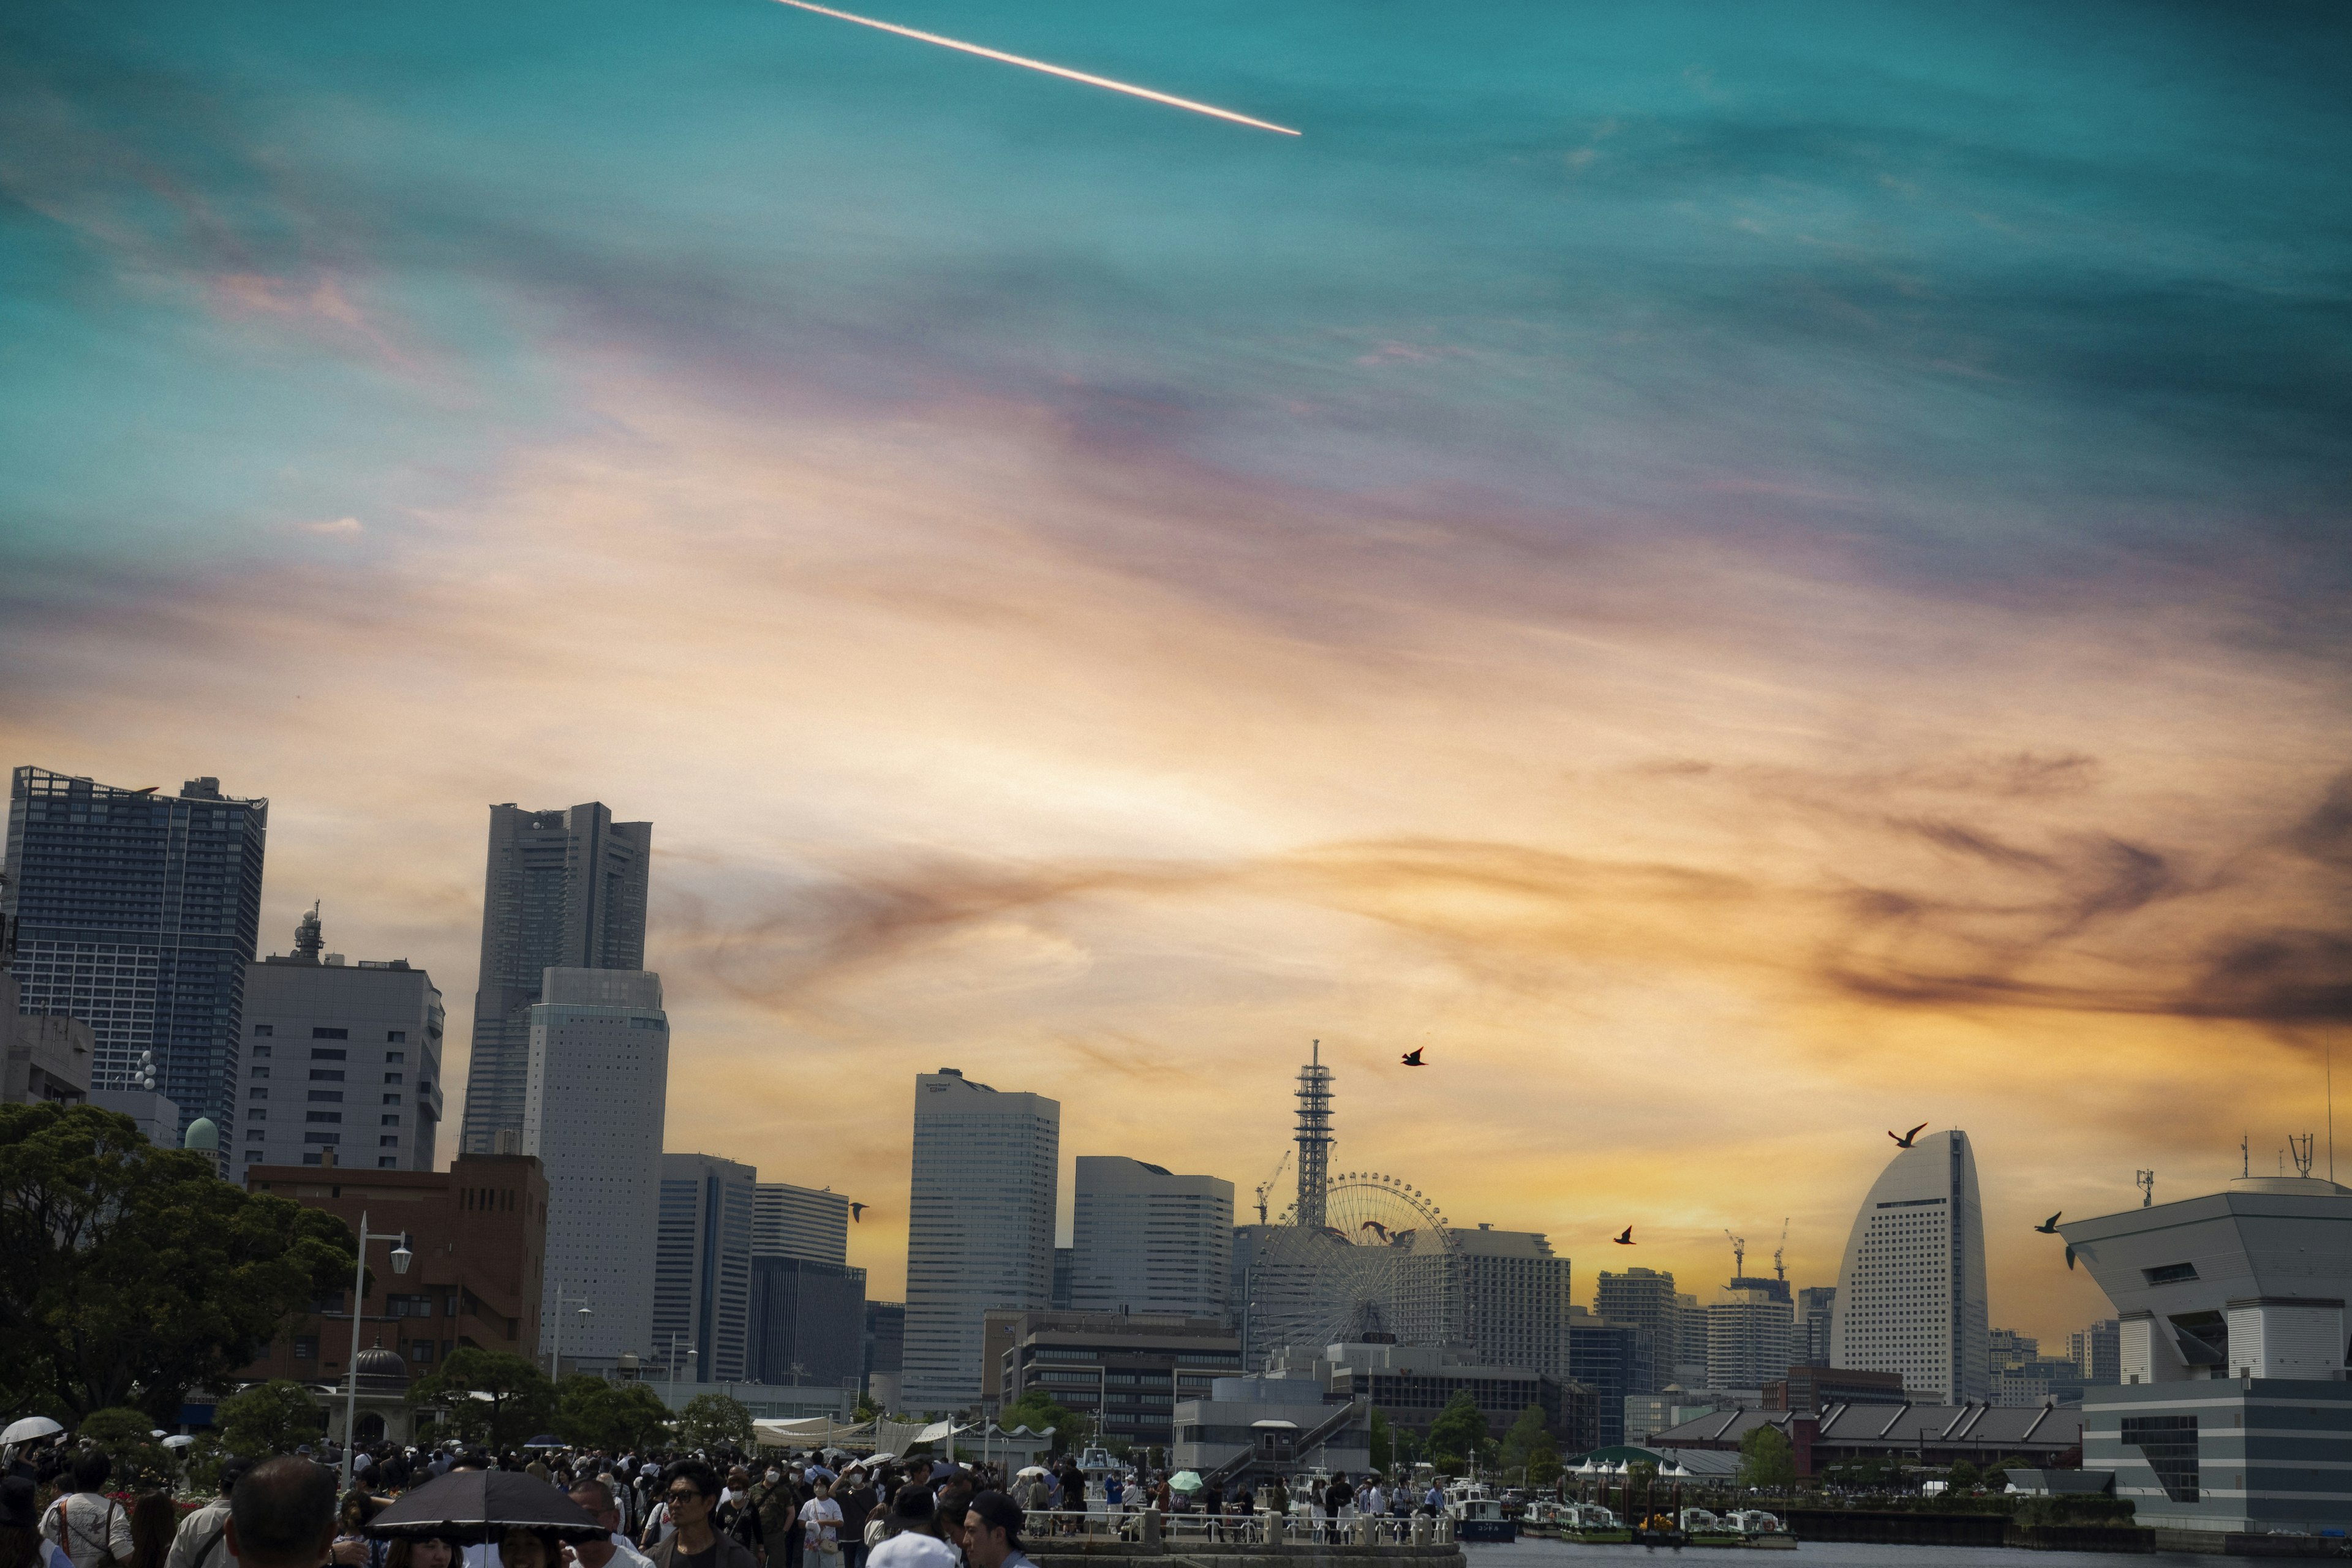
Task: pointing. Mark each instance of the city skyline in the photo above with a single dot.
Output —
(1741, 580)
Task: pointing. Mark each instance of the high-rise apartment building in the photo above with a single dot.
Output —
(1145, 1239)
(1911, 1283)
(137, 913)
(338, 1056)
(800, 1222)
(1520, 1299)
(1613, 1359)
(565, 890)
(596, 1087)
(980, 1227)
(1748, 1332)
(1816, 1306)
(702, 1265)
(2097, 1351)
(1645, 1299)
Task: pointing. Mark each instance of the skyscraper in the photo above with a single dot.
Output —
(1520, 1299)
(565, 890)
(338, 1056)
(596, 1087)
(1911, 1283)
(1748, 1330)
(807, 1323)
(137, 913)
(800, 1222)
(1645, 1299)
(1146, 1240)
(1816, 1306)
(980, 1227)
(702, 1265)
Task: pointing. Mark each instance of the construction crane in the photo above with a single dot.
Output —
(1739, 1254)
(1268, 1186)
(1779, 1268)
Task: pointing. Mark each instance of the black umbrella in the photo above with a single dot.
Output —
(474, 1506)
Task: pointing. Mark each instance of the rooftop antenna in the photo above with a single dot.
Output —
(1314, 1095)
(2147, 1180)
(2242, 1169)
(2300, 1152)
(1781, 1270)
(1739, 1254)
(307, 939)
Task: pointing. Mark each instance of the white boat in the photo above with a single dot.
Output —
(1754, 1521)
(1478, 1513)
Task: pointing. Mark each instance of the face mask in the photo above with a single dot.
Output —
(775, 1475)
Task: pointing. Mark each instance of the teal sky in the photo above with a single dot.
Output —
(1749, 573)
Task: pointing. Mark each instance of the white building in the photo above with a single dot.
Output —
(338, 1056)
(980, 1227)
(1146, 1240)
(597, 1090)
(1751, 1336)
(1520, 1299)
(807, 1223)
(1911, 1283)
(703, 1267)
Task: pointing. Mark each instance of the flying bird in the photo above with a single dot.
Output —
(1375, 1225)
(2070, 1255)
(1413, 1056)
(1625, 1238)
(1904, 1142)
(2050, 1227)
(1063, 71)
(857, 1211)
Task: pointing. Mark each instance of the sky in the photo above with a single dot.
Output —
(1742, 576)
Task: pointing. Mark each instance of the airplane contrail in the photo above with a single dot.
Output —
(988, 54)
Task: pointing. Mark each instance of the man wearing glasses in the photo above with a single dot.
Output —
(691, 1488)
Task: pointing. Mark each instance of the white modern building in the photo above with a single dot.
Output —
(1520, 1299)
(338, 1056)
(2233, 1407)
(808, 1223)
(1911, 1283)
(979, 1227)
(596, 1092)
(1145, 1239)
(1751, 1336)
(703, 1267)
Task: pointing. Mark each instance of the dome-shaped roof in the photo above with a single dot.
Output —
(201, 1134)
(382, 1371)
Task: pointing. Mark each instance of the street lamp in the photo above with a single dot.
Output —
(401, 1257)
(673, 1366)
(555, 1356)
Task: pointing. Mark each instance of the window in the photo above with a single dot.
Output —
(256, 1094)
(391, 1099)
(324, 1034)
(255, 1114)
(2170, 1273)
(318, 1054)
(263, 1031)
(387, 1162)
(329, 1138)
(2169, 1444)
(388, 1122)
(392, 1077)
(306, 1347)
(323, 1116)
(326, 1097)
(420, 1350)
(254, 1134)
(395, 1056)
(259, 1051)
(391, 1142)
(326, 1075)
(409, 1306)
(397, 1036)
(261, 1072)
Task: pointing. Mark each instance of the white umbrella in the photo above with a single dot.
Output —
(181, 1441)
(1031, 1470)
(30, 1428)
(1184, 1481)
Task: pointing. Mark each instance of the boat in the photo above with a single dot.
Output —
(1478, 1513)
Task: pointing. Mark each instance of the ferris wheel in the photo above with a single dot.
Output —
(1384, 1265)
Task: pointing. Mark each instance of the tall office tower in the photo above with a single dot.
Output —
(1520, 1299)
(1146, 1240)
(807, 1323)
(2097, 1351)
(702, 1266)
(596, 1090)
(137, 913)
(565, 890)
(1645, 1299)
(1748, 1330)
(1816, 1305)
(1611, 1359)
(1911, 1284)
(980, 1227)
(886, 1347)
(1690, 1342)
(1065, 1263)
(339, 1056)
(800, 1222)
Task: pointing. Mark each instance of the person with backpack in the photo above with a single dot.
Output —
(88, 1526)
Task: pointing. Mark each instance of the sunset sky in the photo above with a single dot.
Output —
(1744, 575)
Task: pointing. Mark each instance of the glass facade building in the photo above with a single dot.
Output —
(137, 912)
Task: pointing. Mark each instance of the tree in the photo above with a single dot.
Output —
(124, 1435)
(490, 1395)
(129, 1274)
(1035, 1409)
(1530, 1448)
(1383, 1445)
(268, 1419)
(867, 1410)
(1459, 1433)
(614, 1417)
(1767, 1460)
(713, 1421)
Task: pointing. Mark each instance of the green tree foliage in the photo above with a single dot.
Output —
(1036, 1410)
(140, 1461)
(867, 1410)
(492, 1396)
(1383, 1445)
(270, 1418)
(713, 1421)
(1529, 1450)
(129, 1274)
(1459, 1433)
(1767, 1460)
(612, 1416)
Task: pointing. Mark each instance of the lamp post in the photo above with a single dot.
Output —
(555, 1356)
(400, 1260)
(673, 1366)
